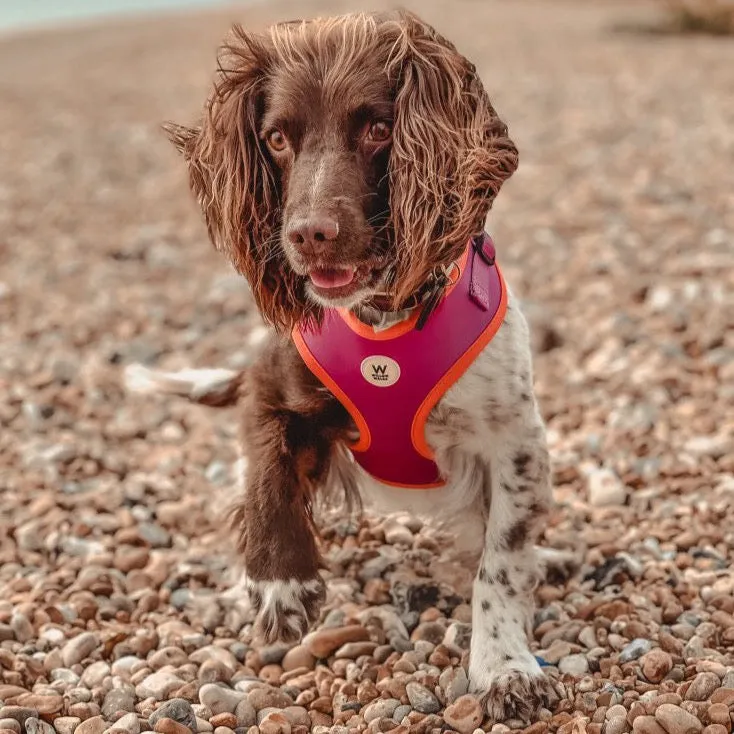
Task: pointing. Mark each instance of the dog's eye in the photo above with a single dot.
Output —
(379, 132)
(277, 141)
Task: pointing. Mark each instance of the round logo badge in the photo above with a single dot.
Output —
(380, 371)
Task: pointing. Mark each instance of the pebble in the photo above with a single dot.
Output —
(605, 488)
(220, 699)
(383, 708)
(93, 725)
(275, 722)
(656, 664)
(464, 715)
(703, 685)
(169, 726)
(18, 713)
(421, 699)
(78, 648)
(574, 665)
(677, 721)
(36, 726)
(298, 657)
(10, 725)
(118, 699)
(177, 709)
(262, 698)
(66, 724)
(158, 685)
(647, 725)
(634, 650)
(454, 683)
(128, 723)
(324, 642)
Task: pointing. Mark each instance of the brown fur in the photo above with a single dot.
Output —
(448, 157)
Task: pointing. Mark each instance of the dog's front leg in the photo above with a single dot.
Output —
(288, 439)
(501, 665)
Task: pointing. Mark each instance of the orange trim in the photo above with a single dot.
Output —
(417, 431)
(365, 439)
(367, 332)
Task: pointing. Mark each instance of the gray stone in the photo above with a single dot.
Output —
(79, 648)
(421, 699)
(177, 709)
(118, 699)
(635, 650)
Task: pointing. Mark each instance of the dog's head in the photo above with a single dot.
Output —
(343, 158)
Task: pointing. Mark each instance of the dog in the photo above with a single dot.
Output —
(345, 167)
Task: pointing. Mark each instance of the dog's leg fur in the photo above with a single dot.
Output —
(290, 428)
(501, 664)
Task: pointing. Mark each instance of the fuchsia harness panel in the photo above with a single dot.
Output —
(389, 381)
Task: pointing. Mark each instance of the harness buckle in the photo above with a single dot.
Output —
(478, 245)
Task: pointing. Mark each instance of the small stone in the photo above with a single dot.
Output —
(616, 725)
(723, 695)
(353, 650)
(656, 664)
(647, 725)
(383, 708)
(93, 725)
(717, 729)
(66, 724)
(44, 705)
(10, 725)
(18, 713)
(574, 665)
(224, 719)
(118, 699)
(298, 657)
(421, 699)
(703, 685)
(22, 627)
(36, 726)
(464, 715)
(220, 699)
(245, 713)
(323, 642)
(401, 712)
(178, 709)
(128, 723)
(263, 698)
(718, 713)
(158, 685)
(275, 722)
(634, 650)
(169, 726)
(677, 721)
(605, 488)
(78, 648)
(454, 683)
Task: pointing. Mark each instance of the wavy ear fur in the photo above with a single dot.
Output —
(232, 179)
(451, 152)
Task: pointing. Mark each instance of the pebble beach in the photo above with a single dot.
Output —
(120, 610)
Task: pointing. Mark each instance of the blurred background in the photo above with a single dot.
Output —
(616, 232)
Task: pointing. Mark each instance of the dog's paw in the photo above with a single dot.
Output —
(517, 690)
(285, 609)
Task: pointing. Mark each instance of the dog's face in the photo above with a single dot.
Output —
(328, 134)
(339, 158)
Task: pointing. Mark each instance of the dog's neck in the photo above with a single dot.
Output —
(378, 319)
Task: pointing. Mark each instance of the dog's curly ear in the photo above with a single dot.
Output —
(450, 154)
(182, 137)
(232, 178)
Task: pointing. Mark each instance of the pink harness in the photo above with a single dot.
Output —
(389, 381)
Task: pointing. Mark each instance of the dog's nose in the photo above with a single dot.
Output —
(313, 232)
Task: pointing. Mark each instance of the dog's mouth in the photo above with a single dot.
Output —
(338, 282)
(327, 279)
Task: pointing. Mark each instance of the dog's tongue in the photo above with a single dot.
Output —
(331, 277)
